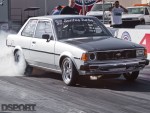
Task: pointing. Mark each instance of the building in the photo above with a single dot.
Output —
(16, 12)
(45, 7)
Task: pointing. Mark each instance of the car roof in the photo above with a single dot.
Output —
(138, 7)
(53, 17)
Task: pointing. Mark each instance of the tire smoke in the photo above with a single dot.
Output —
(8, 67)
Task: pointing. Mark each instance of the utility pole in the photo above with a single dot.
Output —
(45, 7)
(83, 7)
(103, 11)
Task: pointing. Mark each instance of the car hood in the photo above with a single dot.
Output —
(102, 44)
(97, 13)
(131, 15)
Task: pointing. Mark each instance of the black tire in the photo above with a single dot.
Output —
(28, 70)
(69, 72)
(19, 59)
(142, 22)
(131, 76)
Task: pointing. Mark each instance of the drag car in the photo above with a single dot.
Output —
(75, 46)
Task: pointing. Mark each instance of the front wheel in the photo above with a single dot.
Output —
(131, 76)
(142, 22)
(69, 72)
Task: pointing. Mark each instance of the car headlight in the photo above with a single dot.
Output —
(92, 56)
(145, 52)
(89, 56)
(140, 53)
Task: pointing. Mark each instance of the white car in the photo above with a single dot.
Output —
(74, 46)
(97, 11)
(136, 15)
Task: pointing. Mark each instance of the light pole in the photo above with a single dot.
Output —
(45, 7)
(83, 7)
(103, 11)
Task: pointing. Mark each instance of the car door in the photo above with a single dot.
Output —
(42, 51)
(147, 16)
(25, 36)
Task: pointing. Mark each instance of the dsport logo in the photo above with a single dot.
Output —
(17, 107)
(87, 2)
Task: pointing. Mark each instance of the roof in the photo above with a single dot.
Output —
(31, 8)
(60, 16)
(137, 6)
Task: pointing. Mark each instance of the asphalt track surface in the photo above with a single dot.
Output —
(51, 95)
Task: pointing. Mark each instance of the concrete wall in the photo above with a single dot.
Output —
(4, 12)
(23, 4)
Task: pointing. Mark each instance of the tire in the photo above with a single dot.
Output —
(20, 62)
(28, 70)
(69, 72)
(131, 76)
(142, 22)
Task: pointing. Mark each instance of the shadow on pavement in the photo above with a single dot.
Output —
(118, 84)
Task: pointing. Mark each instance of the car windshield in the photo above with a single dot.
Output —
(79, 27)
(138, 10)
(99, 7)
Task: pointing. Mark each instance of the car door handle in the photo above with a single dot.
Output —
(34, 42)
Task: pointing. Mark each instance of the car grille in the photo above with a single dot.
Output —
(127, 19)
(115, 55)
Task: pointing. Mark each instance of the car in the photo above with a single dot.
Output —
(75, 46)
(137, 15)
(97, 11)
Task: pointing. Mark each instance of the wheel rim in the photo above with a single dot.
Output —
(67, 71)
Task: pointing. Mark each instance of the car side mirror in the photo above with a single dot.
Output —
(47, 37)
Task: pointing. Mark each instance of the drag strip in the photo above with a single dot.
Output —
(51, 95)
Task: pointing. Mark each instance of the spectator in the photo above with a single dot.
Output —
(58, 10)
(117, 10)
(70, 8)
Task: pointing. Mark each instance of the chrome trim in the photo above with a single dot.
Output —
(118, 50)
(95, 56)
(113, 67)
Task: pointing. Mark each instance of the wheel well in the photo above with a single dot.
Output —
(142, 20)
(61, 59)
(16, 51)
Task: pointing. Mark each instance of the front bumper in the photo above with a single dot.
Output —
(130, 23)
(118, 67)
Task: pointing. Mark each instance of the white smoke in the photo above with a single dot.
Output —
(7, 65)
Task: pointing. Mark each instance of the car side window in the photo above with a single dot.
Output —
(146, 11)
(29, 29)
(43, 27)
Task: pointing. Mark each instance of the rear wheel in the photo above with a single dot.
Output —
(131, 76)
(69, 72)
(20, 61)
